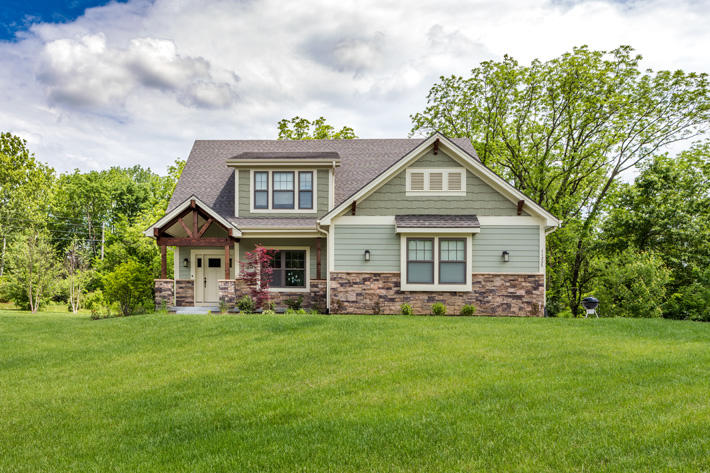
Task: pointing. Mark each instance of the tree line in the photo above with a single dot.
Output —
(585, 135)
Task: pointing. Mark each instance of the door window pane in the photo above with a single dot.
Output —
(214, 262)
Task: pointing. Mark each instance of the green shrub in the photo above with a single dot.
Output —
(294, 302)
(406, 309)
(94, 301)
(223, 306)
(301, 312)
(268, 312)
(246, 304)
(128, 285)
(468, 310)
(290, 311)
(314, 311)
(631, 284)
(692, 302)
(437, 308)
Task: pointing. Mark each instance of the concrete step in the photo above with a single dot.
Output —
(195, 310)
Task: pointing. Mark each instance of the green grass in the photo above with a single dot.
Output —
(176, 393)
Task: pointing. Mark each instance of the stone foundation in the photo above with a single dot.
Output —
(184, 293)
(492, 294)
(227, 292)
(314, 299)
(164, 292)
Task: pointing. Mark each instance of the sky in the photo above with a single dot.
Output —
(91, 84)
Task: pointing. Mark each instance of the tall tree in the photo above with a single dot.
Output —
(665, 210)
(563, 131)
(25, 185)
(299, 128)
(33, 270)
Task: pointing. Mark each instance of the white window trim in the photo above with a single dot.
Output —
(295, 210)
(427, 173)
(436, 287)
(308, 271)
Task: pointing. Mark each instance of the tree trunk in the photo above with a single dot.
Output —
(2, 257)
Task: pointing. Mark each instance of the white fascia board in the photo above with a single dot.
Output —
(437, 230)
(177, 210)
(455, 151)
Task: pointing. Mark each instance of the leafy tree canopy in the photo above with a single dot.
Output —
(299, 128)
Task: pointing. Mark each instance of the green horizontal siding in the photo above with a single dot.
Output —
(351, 241)
(248, 244)
(322, 186)
(522, 242)
(480, 198)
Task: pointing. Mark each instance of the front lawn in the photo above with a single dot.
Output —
(177, 393)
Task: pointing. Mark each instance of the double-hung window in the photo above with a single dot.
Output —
(261, 190)
(420, 260)
(436, 263)
(288, 269)
(283, 189)
(305, 190)
(452, 260)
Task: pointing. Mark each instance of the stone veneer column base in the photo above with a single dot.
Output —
(228, 292)
(184, 293)
(164, 292)
(492, 294)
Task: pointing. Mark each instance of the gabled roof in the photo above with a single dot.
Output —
(456, 151)
(207, 175)
(171, 214)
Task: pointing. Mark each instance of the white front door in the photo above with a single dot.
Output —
(209, 269)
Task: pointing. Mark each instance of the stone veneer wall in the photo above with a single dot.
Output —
(233, 290)
(184, 293)
(492, 294)
(164, 292)
(227, 292)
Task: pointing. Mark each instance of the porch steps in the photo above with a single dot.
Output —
(195, 310)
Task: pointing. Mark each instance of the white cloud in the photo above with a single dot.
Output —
(137, 82)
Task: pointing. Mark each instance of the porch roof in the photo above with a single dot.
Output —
(448, 223)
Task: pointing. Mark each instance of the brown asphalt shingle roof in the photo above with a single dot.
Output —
(436, 221)
(207, 176)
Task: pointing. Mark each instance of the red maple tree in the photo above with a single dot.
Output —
(256, 273)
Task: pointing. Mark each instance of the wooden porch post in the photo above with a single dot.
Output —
(318, 258)
(226, 261)
(163, 262)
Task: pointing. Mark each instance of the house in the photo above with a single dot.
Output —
(359, 226)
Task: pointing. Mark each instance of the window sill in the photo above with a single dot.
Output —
(436, 287)
(289, 289)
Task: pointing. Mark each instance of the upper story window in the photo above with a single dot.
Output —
(283, 191)
(261, 190)
(436, 181)
(305, 190)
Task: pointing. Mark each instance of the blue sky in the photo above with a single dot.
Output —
(93, 84)
(18, 15)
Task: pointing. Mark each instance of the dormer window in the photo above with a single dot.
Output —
(261, 190)
(283, 190)
(305, 190)
(441, 181)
